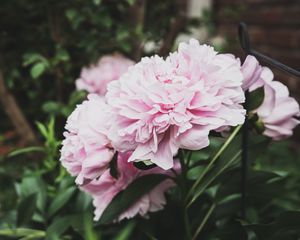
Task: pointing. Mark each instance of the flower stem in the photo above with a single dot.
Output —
(184, 191)
(187, 224)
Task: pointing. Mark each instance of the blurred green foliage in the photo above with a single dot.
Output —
(44, 44)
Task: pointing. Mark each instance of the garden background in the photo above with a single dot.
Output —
(43, 47)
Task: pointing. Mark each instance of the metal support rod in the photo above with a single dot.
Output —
(245, 43)
(246, 46)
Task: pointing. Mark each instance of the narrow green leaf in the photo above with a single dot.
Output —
(58, 227)
(217, 155)
(256, 98)
(52, 107)
(51, 129)
(125, 233)
(220, 167)
(89, 231)
(21, 232)
(203, 222)
(230, 155)
(61, 199)
(43, 130)
(26, 209)
(126, 198)
(26, 150)
(82, 202)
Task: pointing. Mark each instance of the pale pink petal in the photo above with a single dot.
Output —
(86, 150)
(278, 110)
(105, 188)
(95, 78)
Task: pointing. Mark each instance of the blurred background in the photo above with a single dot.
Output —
(44, 45)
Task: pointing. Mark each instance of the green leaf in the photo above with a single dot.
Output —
(204, 221)
(230, 155)
(38, 69)
(62, 55)
(26, 150)
(228, 207)
(131, 2)
(71, 14)
(256, 98)
(26, 209)
(83, 201)
(22, 232)
(226, 155)
(126, 198)
(30, 58)
(286, 225)
(89, 232)
(220, 166)
(52, 107)
(77, 97)
(97, 2)
(125, 233)
(58, 227)
(31, 185)
(255, 180)
(43, 130)
(61, 199)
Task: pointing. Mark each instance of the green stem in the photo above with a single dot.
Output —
(216, 156)
(209, 212)
(189, 157)
(183, 188)
(187, 224)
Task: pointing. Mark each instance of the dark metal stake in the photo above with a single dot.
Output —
(246, 46)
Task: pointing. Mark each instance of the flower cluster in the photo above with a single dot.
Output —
(156, 107)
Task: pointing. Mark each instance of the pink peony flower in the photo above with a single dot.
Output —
(163, 105)
(104, 189)
(86, 151)
(278, 110)
(95, 78)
